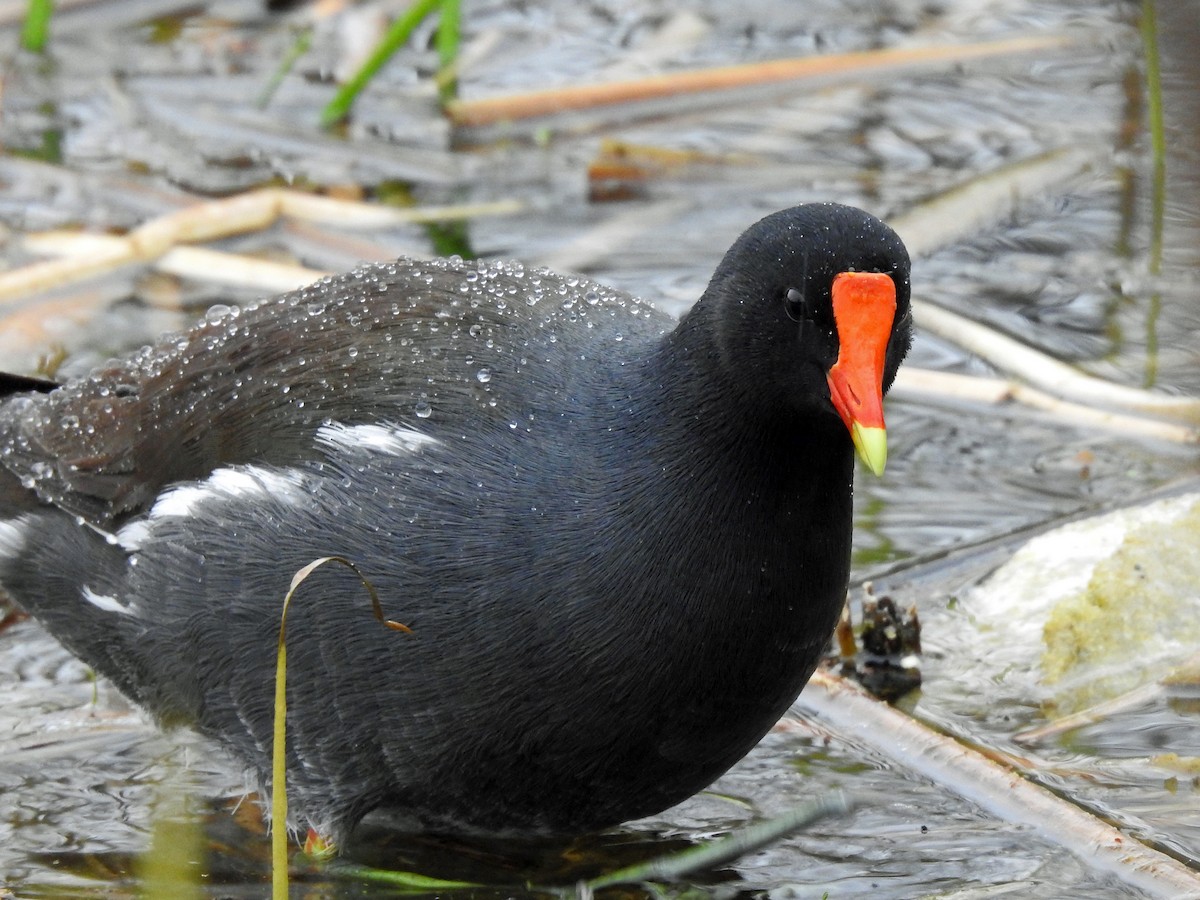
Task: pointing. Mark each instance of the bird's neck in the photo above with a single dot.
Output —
(775, 485)
(732, 527)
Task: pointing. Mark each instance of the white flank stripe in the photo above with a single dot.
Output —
(386, 439)
(12, 537)
(133, 535)
(246, 482)
(105, 602)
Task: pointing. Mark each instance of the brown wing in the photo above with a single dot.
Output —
(386, 342)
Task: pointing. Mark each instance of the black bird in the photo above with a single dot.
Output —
(620, 542)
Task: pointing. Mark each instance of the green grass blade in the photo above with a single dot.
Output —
(413, 881)
(1158, 189)
(449, 36)
(299, 47)
(339, 107)
(36, 30)
(279, 832)
(725, 850)
(171, 868)
(1158, 140)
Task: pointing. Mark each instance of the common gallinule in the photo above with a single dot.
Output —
(620, 542)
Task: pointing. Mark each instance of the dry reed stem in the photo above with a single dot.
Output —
(512, 107)
(1139, 696)
(252, 211)
(997, 789)
(915, 382)
(1049, 374)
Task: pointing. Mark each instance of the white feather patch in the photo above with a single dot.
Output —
(12, 537)
(392, 439)
(105, 602)
(133, 535)
(252, 483)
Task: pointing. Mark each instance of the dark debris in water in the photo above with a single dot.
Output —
(885, 658)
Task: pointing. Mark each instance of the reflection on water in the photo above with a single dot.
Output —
(1069, 272)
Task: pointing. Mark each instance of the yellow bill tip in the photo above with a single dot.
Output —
(871, 444)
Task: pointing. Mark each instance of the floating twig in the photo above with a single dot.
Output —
(997, 789)
(252, 211)
(1139, 696)
(986, 199)
(512, 107)
(1049, 374)
(965, 209)
(915, 382)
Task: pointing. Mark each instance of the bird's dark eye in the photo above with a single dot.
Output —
(793, 302)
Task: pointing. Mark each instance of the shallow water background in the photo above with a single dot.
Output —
(138, 104)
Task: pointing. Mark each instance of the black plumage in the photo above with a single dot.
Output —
(620, 542)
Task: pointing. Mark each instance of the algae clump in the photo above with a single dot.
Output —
(1134, 620)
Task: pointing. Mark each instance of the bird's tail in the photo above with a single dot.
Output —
(68, 578)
